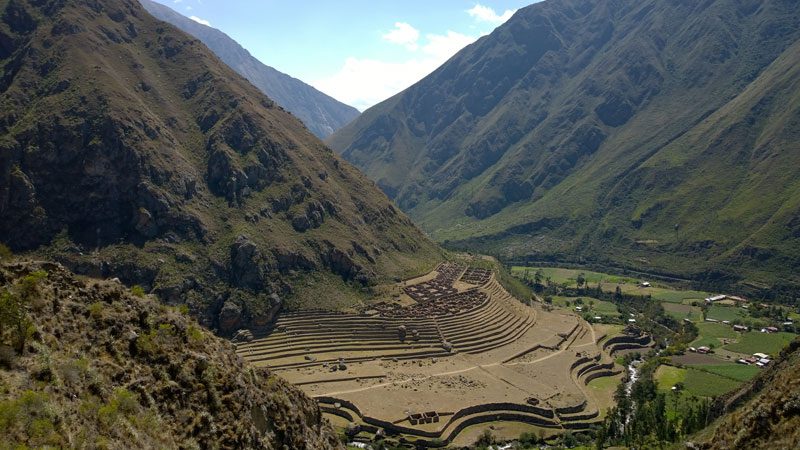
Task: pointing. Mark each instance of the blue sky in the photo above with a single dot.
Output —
(359, 52)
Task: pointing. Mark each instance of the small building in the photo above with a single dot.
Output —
(709, 319)
(743, 361)
(579, 308)
(692, 349)
(703, 349)
(631, 320)
(760, 355)
(645, 284)
(598, 318)
(715, 298)
(726, 322)
(765, 361)
(741, 328)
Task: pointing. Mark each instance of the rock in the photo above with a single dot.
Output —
(245, 268)
(301, 223)
(145, 224)
(230, 317)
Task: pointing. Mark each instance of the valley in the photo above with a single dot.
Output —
(581, 230)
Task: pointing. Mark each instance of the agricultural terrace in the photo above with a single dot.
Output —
(448, 352)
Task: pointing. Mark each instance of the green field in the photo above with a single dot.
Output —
(710, 334)
(705, 384)
(628, 285)
(664, 294)
(730, 313)
(757, 342)
(739, 372)
(560, 275)
(668, 376)
(598, 307)
(680, 311)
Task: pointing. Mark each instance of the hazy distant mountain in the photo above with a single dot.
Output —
(321, 113)
(660, 135)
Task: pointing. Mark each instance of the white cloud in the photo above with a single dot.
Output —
(363, 82)
(200, 21)
(487, 14)
(403, 34)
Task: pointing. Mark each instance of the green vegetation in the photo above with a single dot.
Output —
(681, 311)
(729, 313)
(711, 333)
(560, 275)
(5, 252)
(137, 290)
(738, 372)
(668, 376)
(756, 342)
(706, 384)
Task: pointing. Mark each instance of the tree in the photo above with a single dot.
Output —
(591, 304)
(486, 439)
(581, 280)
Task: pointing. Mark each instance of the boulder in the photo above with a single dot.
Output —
(246, 270)
(230, 317)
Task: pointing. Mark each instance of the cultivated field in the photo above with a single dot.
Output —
(448, 353)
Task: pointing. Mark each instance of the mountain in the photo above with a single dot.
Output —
(660, 136)
(97, 367)
(321, 113)
(127, 149)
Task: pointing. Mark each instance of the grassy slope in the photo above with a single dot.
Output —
(763, 413)
(709, 146)
(105, 369)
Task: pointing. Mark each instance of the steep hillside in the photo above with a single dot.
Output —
(96, 367)
(321, 113)
(127, 149)
(767, 413)
(657, 135)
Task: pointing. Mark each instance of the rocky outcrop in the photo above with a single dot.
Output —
(246, 266)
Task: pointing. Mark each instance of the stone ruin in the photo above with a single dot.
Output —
(422, 418)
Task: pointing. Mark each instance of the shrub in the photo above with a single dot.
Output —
(122, 404)
(486, 439)
(137, 291)
(5, 252)
(96, 310)
(194, 335)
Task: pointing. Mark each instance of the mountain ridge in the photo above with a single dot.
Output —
(321, 113)
(129, 150)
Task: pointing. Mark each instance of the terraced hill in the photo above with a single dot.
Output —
(655, 135)
(453, 351)
(127, 149)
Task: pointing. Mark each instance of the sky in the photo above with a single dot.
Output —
(359, 52)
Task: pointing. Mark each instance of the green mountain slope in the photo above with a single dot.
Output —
(321, 113)
(127, 149)
(656, 135)
(764, 413)
(101, 368)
